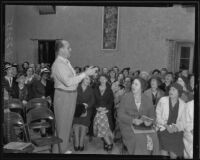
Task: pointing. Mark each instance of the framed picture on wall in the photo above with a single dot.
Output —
(110, 27)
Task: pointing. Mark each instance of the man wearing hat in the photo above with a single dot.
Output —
(9, 82)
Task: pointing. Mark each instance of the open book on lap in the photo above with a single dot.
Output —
(146, 118)
(142, 129)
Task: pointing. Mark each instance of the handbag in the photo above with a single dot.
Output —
(80, 109)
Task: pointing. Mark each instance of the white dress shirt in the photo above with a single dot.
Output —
(64, 75)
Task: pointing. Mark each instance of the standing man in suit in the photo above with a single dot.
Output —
(65, 84)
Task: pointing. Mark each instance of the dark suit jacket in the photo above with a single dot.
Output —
(87, 97)
(12, 90)
(160, 93)
(126, 112)
(106, 100)
(38, 89)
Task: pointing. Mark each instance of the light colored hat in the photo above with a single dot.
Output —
(44, 70)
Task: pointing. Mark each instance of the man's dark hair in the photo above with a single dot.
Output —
(58, 45)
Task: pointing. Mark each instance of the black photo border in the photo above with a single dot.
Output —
(134, 3)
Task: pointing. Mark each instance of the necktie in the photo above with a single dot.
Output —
(10, 81)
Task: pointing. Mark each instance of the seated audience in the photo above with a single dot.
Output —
(191, 84)
(123, 89)
(154, 93)
(156, 72)
(81, 124)
(29, 80)
(163, 73)
(125, 71)
(103, 125)
(105, 70)
(14, 71)
(38, 69)
(116, 70)
(186, 95)
(22, 90)
(136, 73)
(43, 88)
(112, 76)
(185, 73)
(144, 75)
(165, 86)
(170, 122)
(25, 66)
(42, 65)
(132, 107)
(120, 81)
(77, 69)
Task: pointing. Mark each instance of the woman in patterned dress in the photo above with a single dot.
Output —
(103, 124)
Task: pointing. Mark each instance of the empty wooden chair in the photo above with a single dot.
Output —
(12, 120)
(36, 102)
(39, 118)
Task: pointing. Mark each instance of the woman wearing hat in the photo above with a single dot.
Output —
(133, 106)
(22, 90)
(170, 122)
(103, 120)
(154, 93)
(43, 88)
(81, 123)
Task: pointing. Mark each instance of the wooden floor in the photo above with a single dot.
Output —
(94, 146)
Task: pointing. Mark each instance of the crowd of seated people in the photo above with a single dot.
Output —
(115, 99)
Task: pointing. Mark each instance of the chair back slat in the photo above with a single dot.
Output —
(14, 103)
(36, 103)
(39, 113)
(12, 119)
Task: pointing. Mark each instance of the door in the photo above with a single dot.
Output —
(46, 51)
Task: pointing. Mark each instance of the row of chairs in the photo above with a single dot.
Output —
(37, 115)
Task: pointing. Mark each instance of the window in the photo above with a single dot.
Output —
(181, 55)
(185, 54)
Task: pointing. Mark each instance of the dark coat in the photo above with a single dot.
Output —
(22, 94)
(38, 89)
(12, 90)
(160, 93)
(106, 100)
(127, 110)
(87, 97)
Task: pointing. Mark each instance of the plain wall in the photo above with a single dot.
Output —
(142, 34)
(10, 34)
